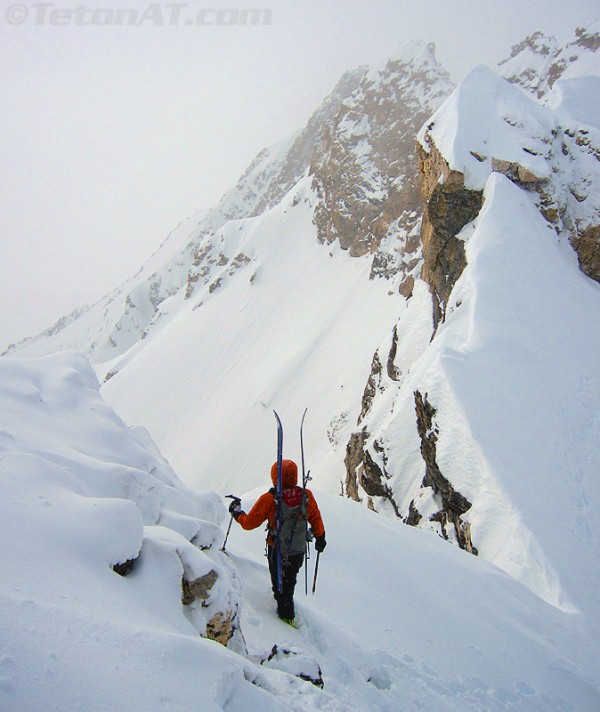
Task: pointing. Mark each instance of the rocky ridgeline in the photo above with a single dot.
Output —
(365, 174)
(545, 151)
(359, 147)
(538, 62)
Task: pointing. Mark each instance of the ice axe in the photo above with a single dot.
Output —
(235, 499)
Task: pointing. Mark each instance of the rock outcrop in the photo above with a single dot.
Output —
(295, 662)
(365, 174)
(539, 61)
(448, 207)
(453, 506)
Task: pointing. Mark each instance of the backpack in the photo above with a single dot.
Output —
(293, 533)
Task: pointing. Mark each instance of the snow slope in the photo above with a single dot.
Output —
(188, 260)
(293, 327)
(402, 621)
(269, 318)
(441, 631)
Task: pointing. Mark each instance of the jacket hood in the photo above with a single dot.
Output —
(289, 473)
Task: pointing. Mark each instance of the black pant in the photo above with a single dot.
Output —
(291, 564)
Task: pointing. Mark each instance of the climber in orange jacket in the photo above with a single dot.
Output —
(299, 505)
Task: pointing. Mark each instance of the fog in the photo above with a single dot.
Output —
(119, 120)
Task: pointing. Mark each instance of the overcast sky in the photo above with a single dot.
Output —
(111, 133)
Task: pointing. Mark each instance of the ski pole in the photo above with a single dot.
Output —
(316, 572)
(229, 496)
(306, 569)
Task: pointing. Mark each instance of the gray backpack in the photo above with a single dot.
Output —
(294, 534)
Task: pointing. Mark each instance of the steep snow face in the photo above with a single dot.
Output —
(366, 174)
(293, 327)
(539, 61)
(359, 147)
(512, 377)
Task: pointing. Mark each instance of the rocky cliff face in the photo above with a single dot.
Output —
(447, 207)
(365, 173)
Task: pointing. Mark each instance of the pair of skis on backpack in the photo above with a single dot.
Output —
(279, 507)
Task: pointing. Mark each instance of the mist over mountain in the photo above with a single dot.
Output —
(419, 266)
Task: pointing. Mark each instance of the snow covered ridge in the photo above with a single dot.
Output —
(458, 405)
(192, 259)
(487, 125)
(114, 588)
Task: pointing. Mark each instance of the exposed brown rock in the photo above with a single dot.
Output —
(362, 471)
(364, 171)
(406, 286)
(220, 628)
(373, 480)
(197, 589)
(354, 461)
(454, 504)
(587, 245)
(448, 207)
(392, 370)
(414, 517)
(516, 172)
(371, 387)
(124, 568)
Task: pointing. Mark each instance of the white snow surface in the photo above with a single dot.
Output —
(295, 327)
(578, 99)
(400, 619)
(487, 121)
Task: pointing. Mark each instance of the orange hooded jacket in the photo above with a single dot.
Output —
(265, 510)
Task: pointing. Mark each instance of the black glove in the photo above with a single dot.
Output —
(235, 509)
(320, 543)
